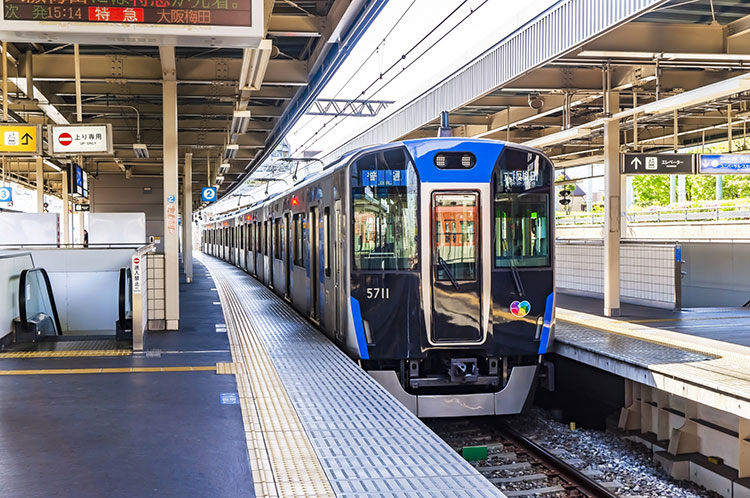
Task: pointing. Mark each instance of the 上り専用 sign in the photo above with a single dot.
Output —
(65, 140)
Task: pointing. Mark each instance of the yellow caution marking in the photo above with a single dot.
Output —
(67, 354)
(64, 371)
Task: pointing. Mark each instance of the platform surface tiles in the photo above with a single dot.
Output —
(316, 424)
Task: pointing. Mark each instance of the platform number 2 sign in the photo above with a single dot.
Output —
(6, 194)
(208, 194)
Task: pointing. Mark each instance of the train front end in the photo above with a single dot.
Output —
(452, 284)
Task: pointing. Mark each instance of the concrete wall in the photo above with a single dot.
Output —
(716, 274)
(11, 265)
(116, 194)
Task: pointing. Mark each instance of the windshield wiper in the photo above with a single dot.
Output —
(448, 272)
(516, 277)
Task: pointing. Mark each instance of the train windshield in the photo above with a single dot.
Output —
(521, 205)
(384, 198)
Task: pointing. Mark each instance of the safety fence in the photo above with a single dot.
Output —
(650, 273)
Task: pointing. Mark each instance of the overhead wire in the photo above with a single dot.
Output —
(318, 136)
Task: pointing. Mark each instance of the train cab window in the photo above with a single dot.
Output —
(523, 181)
(298, 239)
(277, 238)
(385, 199)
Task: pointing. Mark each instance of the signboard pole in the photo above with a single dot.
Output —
(39, 184)
(66, 207)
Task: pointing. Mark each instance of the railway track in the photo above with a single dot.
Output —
(517, 465)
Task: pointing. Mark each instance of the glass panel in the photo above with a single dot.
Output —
(299, 248)
(38, 300)
(384, 195)
(521, 230)
(455, 218)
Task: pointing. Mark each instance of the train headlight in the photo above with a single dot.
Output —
(455, 160)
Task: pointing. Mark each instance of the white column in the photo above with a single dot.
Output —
(171, 205)
(65, 208)
(187, 217)
(612, 211)
(39, 184)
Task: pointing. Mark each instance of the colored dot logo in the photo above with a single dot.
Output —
(520, 309)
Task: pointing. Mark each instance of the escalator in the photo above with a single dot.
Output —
(38, 327)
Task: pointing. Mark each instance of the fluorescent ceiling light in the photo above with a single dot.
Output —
(559, 137)
(254, 65)
(51, 164)
(223, 168)
(231, 151)
(141, 151)
(240, 122)
(220, 179)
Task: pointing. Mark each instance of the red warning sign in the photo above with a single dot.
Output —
(65, 139)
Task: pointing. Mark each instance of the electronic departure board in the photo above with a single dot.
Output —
(185, 12)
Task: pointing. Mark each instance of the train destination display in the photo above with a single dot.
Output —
(158, 12)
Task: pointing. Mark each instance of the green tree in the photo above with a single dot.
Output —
(651, 190)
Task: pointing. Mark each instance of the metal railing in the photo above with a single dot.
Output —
(667, 215)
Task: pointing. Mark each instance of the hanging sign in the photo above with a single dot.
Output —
(69, 140)
(20, 140)
(658, 164)
(230, 23)
(729, 164)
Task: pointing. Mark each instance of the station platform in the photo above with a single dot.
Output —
(316, 424)
(698, 354)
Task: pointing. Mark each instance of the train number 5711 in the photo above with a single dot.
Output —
(378, 293)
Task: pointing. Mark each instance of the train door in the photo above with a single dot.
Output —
(271, 250)
(314, 270)
(456, 281)
(338, 228)
(287, 254)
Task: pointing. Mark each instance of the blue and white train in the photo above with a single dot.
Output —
(429, 261)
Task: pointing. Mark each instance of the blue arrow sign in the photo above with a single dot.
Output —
(208, 194)
(6, 194)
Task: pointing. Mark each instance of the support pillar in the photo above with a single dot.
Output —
(171, 207)
(65, 208)
(187, 217)
(39, 184)
(612, 210)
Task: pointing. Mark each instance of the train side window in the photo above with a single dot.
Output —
(277, 236)
(385, 200)
(522, 184)
(299, 239)
(327, 238)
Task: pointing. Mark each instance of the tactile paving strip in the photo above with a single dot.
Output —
(366, 442)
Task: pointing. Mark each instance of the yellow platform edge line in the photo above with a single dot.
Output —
(66, 354)
(67, 371)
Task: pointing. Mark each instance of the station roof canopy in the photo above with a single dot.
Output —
(691, 56)
(225, 95)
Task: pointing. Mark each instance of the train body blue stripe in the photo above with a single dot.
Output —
(359, 329)
(549, 308)
(424, 151)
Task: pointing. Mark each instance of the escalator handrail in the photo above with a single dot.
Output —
(22, 298)
(121, 312)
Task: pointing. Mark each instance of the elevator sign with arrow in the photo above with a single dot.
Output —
(20, 140)
(658, 164)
